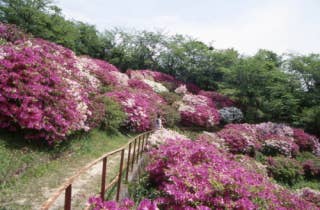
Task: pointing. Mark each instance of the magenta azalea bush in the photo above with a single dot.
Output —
(198, 110)
(96, 203)
(41, 90)
(191, 174)
(219, 100)
(270, 138)
(139, 84)
(141, 107)
(151, 75)
(11, 33)
(46, 90)
(310, 195)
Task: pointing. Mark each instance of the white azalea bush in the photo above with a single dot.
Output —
(156, 86)
(160, 136)
(182, 89)
(231, 114)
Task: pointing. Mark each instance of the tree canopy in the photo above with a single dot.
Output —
(268, 86)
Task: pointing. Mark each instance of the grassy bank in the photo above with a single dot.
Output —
(28, 171)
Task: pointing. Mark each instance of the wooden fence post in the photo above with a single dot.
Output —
(67, 198)
(120, 175)
(103, 178)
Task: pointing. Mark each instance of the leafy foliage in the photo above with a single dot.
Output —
(285, 170)
(114, 115)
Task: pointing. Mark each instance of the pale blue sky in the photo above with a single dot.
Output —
(246, 25)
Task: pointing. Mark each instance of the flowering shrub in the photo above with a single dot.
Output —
(139, 84)
(42, 91)
(306, 141)
(11, 33)
(151, 75)
(46, 90)
(156, 86)
(214, 139)
(100, 72)
(231, 114)
(219, 100)
(312, 168)
(310, 195)
(274, 145)
(182, 89)
(198, 110)
(162, 135)
(268, 128)
(197, 175)
(240, 138)
(192, 88)
(270, 138)
(139, 106)
(96, 203)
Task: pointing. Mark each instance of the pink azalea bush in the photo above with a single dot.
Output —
(151, 75)
(11, 33)
(139, 84)
(192, 88)
(96, 203)
(312, 168)
(191, 174)
(41, 90)
(310, 195)
(219, 100)
(270, 138)
(106, 73)
(306, 141)
(198, 110)
(140, 107)
(46, 90)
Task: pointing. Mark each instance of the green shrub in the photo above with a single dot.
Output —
(114, 115)
(106, 88)
(171, 97)
(143, 189)
(285, 170)
(2, 41)
(171, 116)
(170, 86)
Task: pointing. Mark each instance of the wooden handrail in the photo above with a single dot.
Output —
(67, 185)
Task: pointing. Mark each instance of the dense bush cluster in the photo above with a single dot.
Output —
(310, 195)
(230, 114)
(46, 90)
(140, 106)
(42, 90)
(151, 75)
(285, 170)
(194, 174)
(198, 110)
(270, 138)
(49, 92)
(196, 107)
(96, 203)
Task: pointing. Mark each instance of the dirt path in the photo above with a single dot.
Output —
(84, 186)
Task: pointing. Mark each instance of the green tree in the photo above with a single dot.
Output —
(307, 69)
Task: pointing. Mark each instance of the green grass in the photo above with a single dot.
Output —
(313, 184)
(27, 169)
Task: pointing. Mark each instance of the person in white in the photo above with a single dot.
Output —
(158, 122)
